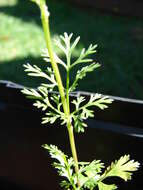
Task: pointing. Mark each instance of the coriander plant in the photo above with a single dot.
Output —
(76, 175)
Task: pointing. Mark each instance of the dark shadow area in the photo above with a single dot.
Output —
(7, 184)
(131, 8)
(24, 163)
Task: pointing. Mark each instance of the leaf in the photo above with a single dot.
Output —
(83, 109)
(78, 101)
(93, 168)
(84, 53)
(86, 113)
(51, 117)
(46, 57)
(64, 184)
(82, 73)
(67, 42)
(62, 164)
(37, 72)
(103, 186)
(79, 124)
(65, 45)
(100, 101)
(75, 43)
(40, 105)
(56, 153)
(50, 87)
(122, 168)
(90, 184)
(31, 93)
(89, 173)
(43, 90)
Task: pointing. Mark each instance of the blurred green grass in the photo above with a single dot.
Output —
(119, 39)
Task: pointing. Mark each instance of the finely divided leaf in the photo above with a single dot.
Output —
(63, 164)
(89, 173)
(46, 57)
(37, 72)
(84, 53)
(103, 186)
(101, 101)
(31, 93)
(122, 168)
(82, 73)
(51, 117)
(83, 109)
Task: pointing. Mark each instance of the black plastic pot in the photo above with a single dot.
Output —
(24, 165)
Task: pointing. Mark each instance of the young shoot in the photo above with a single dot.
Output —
(57, 106)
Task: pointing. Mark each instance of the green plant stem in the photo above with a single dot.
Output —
(68, 81)
(45, 24)
(67, 91)
(72, 144)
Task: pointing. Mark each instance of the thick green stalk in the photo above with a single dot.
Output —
(65, 103)
(45, 24)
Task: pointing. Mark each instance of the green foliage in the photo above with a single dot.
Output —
(103, 186)
(82, 73)
(63, 165)
(35, 71)
(83, 109)
(122, 168)
(77, 175)
(90, 173)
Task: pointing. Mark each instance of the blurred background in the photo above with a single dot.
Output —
(115, 25)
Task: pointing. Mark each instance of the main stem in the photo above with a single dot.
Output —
(45, 24)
